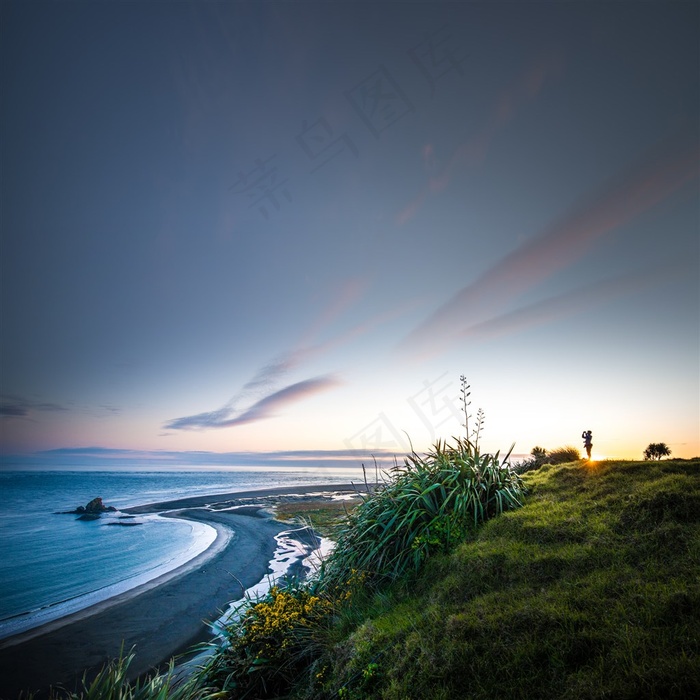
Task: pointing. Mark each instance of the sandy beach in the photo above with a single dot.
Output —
(167, 615)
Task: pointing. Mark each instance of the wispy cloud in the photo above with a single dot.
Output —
(663, 171)
(201, 456)
(290, 394)
(13, 406)
(574, 302)
(110, 409)
(262, 409)
(312, 345)
(13, 409)
(100, 457)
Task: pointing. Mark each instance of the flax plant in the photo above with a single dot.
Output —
(428, 504)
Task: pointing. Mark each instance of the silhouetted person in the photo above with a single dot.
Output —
(587, 436)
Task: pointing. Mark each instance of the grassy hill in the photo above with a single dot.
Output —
(591, 590)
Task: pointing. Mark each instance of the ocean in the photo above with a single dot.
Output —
(54, 564)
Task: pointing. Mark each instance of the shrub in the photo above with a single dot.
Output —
(562, 455)
(270, 644)
(539, 454)
(535, 461)
(426, 505)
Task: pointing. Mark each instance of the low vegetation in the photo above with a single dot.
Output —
(274, 643)
(539, 456)
(325, 518)
(459, 578)
(588, 591)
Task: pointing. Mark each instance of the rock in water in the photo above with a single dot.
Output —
(93, 510)
(95, 506)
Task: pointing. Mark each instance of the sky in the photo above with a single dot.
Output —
(279, 233)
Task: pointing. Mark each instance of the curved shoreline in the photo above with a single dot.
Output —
(221, 540)
(164, 616)
(29, 625)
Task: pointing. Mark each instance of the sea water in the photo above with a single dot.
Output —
(52, 564)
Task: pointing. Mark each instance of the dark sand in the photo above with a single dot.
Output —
(161, 618)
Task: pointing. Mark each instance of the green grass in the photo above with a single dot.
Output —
(325, 517)
(591, 590)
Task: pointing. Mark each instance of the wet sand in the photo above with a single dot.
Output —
(163, 617)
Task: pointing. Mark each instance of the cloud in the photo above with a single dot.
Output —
(13, 410)
(264, 380)
(309, 348)
(262, 409)
(208, 419)
(270, 373)
(665, 169)
(197, 456)
(92, 451)
(92, 458)
(13, 406)
(565, 305)
(109, 408)
(290, 394)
